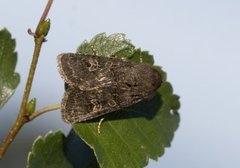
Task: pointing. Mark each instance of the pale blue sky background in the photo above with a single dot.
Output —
(197, 42)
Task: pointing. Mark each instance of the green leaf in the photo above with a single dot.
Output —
(142, 56)
(163, 74)
(48, 152)
(129, 137)
(114, 45)
(9, 80)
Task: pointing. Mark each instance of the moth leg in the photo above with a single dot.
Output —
(99, 125)
(141, 58)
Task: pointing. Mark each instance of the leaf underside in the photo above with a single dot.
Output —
(9, 79)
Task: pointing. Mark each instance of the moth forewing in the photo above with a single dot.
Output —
(100, 85)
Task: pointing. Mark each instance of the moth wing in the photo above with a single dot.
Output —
(85, 71)
(78, 105)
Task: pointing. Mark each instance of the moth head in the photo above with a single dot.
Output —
(142, 81)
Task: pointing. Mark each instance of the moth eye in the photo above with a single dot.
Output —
(93, 65)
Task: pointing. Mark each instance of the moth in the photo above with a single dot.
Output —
(98, 85)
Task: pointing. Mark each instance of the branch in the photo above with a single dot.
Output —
(46, 10)
(22, 116)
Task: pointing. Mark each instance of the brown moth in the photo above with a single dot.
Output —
(98, 85)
